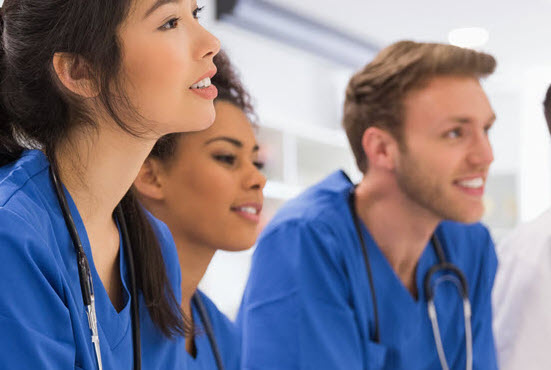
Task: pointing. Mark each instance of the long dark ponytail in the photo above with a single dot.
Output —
(36, 113)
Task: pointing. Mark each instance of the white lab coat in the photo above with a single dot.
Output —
(522, 297)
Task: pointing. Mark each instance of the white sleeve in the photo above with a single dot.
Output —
(522, 303)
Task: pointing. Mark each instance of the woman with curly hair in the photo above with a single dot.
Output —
(207, 187)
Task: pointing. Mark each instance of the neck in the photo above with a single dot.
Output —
(98, 168)
(400, 227)
(194, 260)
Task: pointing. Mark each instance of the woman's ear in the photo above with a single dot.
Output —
(75, 74)
(380, 148)
(148, 182)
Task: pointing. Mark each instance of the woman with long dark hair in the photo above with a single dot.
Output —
(207, 187)
(87, 278)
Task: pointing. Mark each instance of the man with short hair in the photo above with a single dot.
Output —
(337, 279)
(522, 294)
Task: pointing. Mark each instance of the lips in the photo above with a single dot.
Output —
(473, 185)
(204, 88)
(249, 211)
(210, 74)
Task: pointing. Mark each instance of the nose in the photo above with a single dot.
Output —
(206, 45)
(481, 153)
(254, 179)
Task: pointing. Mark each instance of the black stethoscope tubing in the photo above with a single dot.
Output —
(442, 265)
(205, 319)
(85, 275)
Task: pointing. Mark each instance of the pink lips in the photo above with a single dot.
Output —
(476, 192)
(209, 74)
(243, 210)
(209, 93)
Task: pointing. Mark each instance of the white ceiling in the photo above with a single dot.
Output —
(520, 32)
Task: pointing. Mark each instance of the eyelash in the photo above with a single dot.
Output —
(230, 159)
(197, 11)
(171, 22)
(259, 165)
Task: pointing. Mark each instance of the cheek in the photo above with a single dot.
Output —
(205, 186)
(158, 67)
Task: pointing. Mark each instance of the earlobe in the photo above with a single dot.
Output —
(148, 182)
(74, 73)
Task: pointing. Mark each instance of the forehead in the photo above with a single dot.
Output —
(450, 97)
(139, 9)
(230, 122)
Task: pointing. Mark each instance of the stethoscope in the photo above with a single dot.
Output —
(207, 326)
(87, 287)
(85, 276)
(452, 274)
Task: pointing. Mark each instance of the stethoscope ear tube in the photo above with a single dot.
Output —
(431, 308)
(136, 337)
(85, 276)
(376, 337)
(441, 266)
(83, 268)
(203, 314)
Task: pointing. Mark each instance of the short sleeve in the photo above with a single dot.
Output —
(295, 312)
(35, 324)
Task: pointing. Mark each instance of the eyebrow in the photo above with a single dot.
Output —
(158, 4)
(465, 120)
(232, 141)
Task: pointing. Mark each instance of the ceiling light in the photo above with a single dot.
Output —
(470, 37)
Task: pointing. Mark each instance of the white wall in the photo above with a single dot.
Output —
(300, 96)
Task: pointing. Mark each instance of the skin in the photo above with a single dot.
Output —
(198, 191)
(412, 186)
(99, 166)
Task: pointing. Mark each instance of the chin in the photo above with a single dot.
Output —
(469, 216)
(238, 245)
(192, 121)
(204, 119)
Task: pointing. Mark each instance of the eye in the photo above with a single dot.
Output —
(197, 12)
(259, 165)
(171, 24)
(225, 158)
(454, 134)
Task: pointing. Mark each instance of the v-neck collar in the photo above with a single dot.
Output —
(113, 324)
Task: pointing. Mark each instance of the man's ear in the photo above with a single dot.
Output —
(380, 148)
(75, 74)
(148, 182)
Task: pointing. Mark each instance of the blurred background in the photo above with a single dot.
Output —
(295, 58)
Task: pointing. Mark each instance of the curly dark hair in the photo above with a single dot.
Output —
(230, 90)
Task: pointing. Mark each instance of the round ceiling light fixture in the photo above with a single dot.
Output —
(469, 37)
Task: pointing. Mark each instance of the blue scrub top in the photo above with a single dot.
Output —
(307, 304)
(42, 318)
(228, 339)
